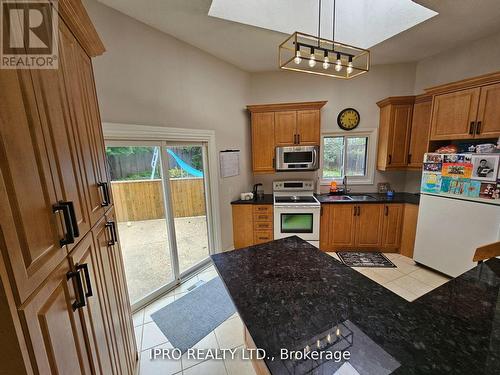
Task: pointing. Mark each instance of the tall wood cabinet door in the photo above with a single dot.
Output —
(85, 134)
(342, 227)
(419, 138)
(242, 225)
(308, 127)
(30, 231)
(369, 225)
(263, 149)
(488, 118)
(103, 239)
(454, 114)
(324, 228)
(285, 128)
(54, 328)
(85, 260)
(400, 134)
(123, 295)
(393, 220)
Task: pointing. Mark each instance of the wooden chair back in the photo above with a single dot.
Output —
(486, 252)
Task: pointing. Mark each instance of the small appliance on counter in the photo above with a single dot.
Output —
(459, 210)
(246, 196)
(258, 192)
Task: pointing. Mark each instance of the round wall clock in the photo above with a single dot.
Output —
(348, 119)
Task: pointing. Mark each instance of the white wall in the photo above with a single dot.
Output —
(147, 77)
(361, 93)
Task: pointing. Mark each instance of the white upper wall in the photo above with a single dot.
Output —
(150, 78)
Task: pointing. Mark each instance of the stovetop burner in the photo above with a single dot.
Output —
(295, 199)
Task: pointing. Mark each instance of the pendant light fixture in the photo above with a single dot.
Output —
(306, 53)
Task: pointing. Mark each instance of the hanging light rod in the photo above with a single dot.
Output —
(355, 60)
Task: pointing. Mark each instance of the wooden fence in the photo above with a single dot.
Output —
(143, 199)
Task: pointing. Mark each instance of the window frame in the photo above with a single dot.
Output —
(368, 178)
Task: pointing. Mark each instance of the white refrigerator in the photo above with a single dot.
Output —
(459, 210)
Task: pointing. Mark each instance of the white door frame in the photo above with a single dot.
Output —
(141, 134)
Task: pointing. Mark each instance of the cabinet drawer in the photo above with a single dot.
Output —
(262, 236)
(263, 209)
(262, 217)
(263, 225)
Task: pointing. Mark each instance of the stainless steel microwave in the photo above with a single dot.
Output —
(297, 158)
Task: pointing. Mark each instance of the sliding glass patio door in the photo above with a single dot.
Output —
(160, 191)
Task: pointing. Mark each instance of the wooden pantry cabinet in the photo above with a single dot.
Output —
(252, 224)
(360, 226)
(62, 288)
(286, 124)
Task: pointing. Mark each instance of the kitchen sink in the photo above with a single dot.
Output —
(363, 198)
(336, 198)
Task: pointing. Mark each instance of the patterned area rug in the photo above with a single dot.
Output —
(364, 259)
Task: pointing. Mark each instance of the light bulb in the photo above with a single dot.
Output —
(297, 60)
(349, 68)
(326, 63)
(312, 61)
(338, 65)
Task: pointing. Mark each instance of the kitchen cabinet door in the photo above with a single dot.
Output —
(400, 133)
(342, 226)
(419, 136)
(285, 128)
(87, 135)
(308, 127)
(488, 118)
(263, 149)
(103, 238)
(369, 222)
(391, 232)
(409, 229)
(93, 316)
(454, 114)
(29, 229)
(54, 329)
(242, 225)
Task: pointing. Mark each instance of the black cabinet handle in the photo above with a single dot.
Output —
(69, 235)
(274, 164)
(359, 210)
(478, 127)
(105, 193)
(85, 268)
(409, 158)
(74, 222)
(390, 159)
(112, 230)
(471, 128)
(386, 210)
(354, 213)
(298, 139)
(80, 298)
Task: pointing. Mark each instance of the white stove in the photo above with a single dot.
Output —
(296, 210)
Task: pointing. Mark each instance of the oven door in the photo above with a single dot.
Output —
(300, 158)
(297, 220)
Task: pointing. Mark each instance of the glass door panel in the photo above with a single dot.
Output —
(187, 184)
(138, 192)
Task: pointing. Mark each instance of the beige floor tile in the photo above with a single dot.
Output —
(429, 277)
(180, 295)
(186, 285)
(138, 318)
(159, 366)
(404, 266)
(208, 342)
(376, 277)
(406, 260)
(210, 367)
(413, 285)
(389, 274)
(230, 334)
(403, 293)
(392, 255)
(155, 306)
(208, 275)
(238, 365)
(138, 337)
(152, 336)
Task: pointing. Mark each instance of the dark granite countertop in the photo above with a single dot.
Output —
(268, 199)
(289, 294)
(379, 198)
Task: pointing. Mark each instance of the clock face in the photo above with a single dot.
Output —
(348, 119)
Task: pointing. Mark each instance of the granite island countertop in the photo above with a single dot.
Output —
(289, 294)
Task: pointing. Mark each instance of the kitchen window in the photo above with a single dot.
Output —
(347, 155)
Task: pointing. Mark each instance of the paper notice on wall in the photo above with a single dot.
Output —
(229, 163)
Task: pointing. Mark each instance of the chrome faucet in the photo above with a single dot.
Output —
(344, 182)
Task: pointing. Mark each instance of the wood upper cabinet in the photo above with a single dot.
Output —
(419, 135)
(369, 225)
(308, 127)
(393, 221)
(454, 114)
(263, 142)
(488, 117)
(57, 341)
(285, 128)
(394, 132)
(288, 124)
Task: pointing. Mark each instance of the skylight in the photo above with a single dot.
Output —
(362, 23)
